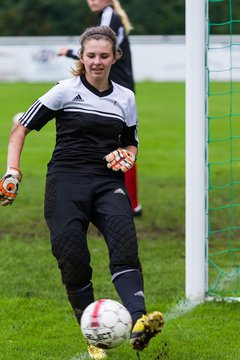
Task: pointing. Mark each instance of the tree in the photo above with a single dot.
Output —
(157, 17)
(44, 17)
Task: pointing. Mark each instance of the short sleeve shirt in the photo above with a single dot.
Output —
(89, 123)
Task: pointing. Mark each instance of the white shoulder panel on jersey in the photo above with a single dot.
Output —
(106, 16)
(106, 20)
(54, 99)
(126, 99)
(120, 36)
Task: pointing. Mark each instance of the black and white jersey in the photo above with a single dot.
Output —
(89, 123)
(121, 71)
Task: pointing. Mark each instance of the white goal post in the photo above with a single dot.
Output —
(196, 279)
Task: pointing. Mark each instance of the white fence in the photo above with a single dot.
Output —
(155, 58)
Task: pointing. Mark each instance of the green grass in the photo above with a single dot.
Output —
(36, 320)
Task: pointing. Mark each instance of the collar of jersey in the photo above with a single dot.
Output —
(94, 90)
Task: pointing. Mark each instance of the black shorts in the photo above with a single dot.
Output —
(73, 200)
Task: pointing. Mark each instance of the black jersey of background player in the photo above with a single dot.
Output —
(121, 71)
(89, 124)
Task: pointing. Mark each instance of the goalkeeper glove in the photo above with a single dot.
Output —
(9, 186)
(120, 159)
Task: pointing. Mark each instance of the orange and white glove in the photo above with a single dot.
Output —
(120, 159)
(9, 186)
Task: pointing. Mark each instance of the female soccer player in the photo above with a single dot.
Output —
(96, 143)
(110, 13)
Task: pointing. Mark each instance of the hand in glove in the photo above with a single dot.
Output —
(120, 159)
(9, 186)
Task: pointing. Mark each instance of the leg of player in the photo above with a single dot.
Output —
(131, 184)
(117, 225)
(69, 243)
(129, 286)
(79, 297)
(128, 280)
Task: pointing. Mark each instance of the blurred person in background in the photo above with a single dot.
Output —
(110, 13)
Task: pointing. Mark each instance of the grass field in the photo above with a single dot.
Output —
(36, 321)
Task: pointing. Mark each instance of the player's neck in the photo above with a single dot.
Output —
(100, 84)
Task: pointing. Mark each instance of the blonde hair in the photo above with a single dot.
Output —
(96, 33)
(123, 15)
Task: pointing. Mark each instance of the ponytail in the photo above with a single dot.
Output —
(123, 15)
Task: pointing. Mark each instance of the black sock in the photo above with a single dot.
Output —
(80, 298)
(129, 286)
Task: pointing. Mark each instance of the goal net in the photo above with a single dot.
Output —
(212, 149)
(223, 144)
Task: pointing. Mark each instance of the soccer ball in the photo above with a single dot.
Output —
(106, 323)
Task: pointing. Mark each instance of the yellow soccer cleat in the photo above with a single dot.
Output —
(96, 353)
(145, 329)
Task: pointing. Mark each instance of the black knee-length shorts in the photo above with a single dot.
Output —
(74, 200)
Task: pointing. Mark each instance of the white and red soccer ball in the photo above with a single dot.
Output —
(106, 323)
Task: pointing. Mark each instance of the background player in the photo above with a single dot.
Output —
(110, 13)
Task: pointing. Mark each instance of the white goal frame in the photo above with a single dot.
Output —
(196, 224)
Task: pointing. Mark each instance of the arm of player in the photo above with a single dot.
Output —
(71, 53)
(122, 159)
(10, 181)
